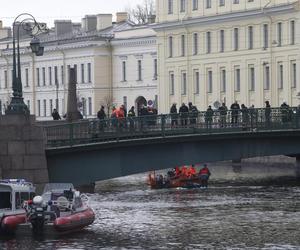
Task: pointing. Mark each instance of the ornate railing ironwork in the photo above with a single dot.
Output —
(216, 122)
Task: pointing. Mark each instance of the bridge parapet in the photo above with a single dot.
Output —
(207, 122)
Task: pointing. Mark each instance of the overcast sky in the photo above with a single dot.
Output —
(48, 11)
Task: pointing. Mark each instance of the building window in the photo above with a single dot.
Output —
(279, 34)
(251, 77)
(39, 107)
(222, 40)
(139, 70)
(236, 39)
(183, 83)
(82, 73)
(280, 75)
(1, 107)
(125, 102)
(195, 43)
(293, 74)
(62, 72)
(182, 45)
(223, 79)
(221, 3)
(266, 36)
(237, 79)
(38, 76)
(170, 6)
(90, 105)
(182, 5)
(5, 79)
(267, 77)
(208, 42)
(209, 81)
(45, 107)
(155, 69)
(26, 78)
(197, 81)
(50, 75)
(55, 76)
(170, 46)
(51, 105)
(250, 37)
(195, 4)
(208, 4)
(236, 1)
(124, 71)
(293, 32)
(44, 76)
(172, 83)
(89, 72)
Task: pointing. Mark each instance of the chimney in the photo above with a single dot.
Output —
(122, 17)
(89, 23)
(5, 33)
(104, 21)
(63, 27)
(151, 19)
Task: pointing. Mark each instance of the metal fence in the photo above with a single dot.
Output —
(208, 122)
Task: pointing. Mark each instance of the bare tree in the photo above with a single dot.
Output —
(141, 13)
(108, 103)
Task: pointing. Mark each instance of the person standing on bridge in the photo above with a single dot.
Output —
(101, 116)
(56, 115)
(183, 112)
(174, 115)
(235, 109)
(268, 113)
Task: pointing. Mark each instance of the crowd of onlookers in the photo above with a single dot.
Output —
(189, 115)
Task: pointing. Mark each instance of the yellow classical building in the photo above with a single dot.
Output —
(213, 51)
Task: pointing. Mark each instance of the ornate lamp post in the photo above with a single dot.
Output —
(30, 25)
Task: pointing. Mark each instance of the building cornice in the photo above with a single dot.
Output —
(227, 17)
(130, 42)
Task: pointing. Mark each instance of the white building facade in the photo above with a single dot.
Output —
(217, 51)
(90, 48)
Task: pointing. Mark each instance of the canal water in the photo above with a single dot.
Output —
(253, 208)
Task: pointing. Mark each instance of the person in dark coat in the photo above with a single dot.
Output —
(174, 115)
(131, 115)
(55, 115)
(183, 113)
(235, 109)
(245, 116)
(193, 113)
(209, 117)
(223, 114)
(268, 113)
(101, 116)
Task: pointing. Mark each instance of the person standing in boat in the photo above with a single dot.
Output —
(204, 174)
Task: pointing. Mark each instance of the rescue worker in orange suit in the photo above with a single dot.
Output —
(120, 114)
(204, 174)
(192, 171)
(184, 171)
(177, 172)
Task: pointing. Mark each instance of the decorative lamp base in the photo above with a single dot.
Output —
(17, 106)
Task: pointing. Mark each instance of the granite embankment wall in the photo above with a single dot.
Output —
(22, 150)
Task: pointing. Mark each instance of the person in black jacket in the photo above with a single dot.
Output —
(55, 115)
(183, 112)
(101, 116)
(174, 115)
(235, 109)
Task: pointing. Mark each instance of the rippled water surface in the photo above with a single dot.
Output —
(225, 216)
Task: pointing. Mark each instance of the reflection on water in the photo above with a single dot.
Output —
(244, 214)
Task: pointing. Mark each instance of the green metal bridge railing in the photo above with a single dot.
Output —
(207, 122)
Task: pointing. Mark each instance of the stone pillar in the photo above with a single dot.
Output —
(72, 111)
(22, 150)
(298, 166)
(237, 165)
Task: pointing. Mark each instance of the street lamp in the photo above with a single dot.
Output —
(30, 25)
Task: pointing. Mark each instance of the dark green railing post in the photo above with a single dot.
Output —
(71, 134)
(163, 124)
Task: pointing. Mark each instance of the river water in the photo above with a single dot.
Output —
(237, 211)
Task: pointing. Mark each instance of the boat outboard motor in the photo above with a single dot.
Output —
(37, 215)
